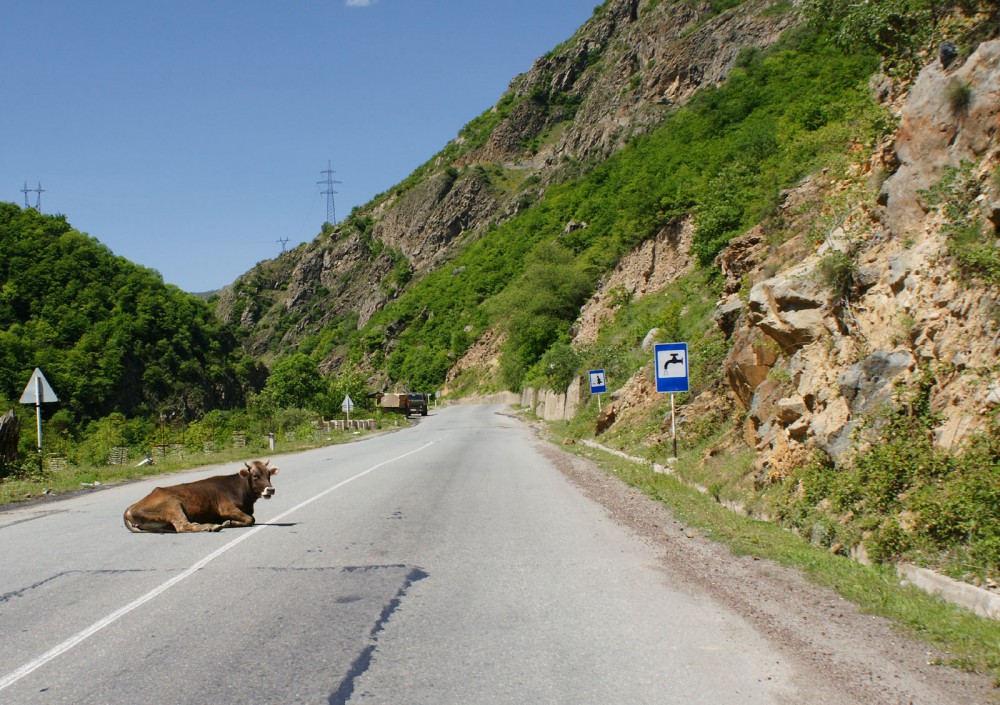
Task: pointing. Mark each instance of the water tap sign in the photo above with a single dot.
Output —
(671, 361)
(598, 382)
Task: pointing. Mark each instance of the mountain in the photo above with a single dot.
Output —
(618, 77)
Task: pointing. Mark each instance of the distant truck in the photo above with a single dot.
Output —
(400, 403)
(418, 403)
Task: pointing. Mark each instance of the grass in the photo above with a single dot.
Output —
(971, 642)
(73, 478)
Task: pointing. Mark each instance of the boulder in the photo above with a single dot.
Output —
(792, 311)
(604, 420)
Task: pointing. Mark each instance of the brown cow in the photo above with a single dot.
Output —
(211, 504)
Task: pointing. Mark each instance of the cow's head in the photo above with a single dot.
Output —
(259, 475)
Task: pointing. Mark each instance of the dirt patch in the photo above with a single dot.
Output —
(842, 656)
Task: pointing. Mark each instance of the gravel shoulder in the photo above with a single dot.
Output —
(843, 655)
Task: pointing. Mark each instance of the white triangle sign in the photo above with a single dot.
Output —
(38, 385)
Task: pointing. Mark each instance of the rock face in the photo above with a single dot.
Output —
(648, 268)
(808, 365)
(951, 115)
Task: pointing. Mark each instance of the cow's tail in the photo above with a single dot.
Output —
(129, 524)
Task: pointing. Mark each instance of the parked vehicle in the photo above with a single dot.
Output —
(418, 402)
(400, 403)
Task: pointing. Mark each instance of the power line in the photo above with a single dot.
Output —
(331, 210)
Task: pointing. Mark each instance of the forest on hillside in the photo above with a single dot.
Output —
(110, 336)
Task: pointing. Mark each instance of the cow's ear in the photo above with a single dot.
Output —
(245, 471)
(273, 471)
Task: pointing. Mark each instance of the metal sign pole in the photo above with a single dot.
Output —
(38, 418)
(673, 423)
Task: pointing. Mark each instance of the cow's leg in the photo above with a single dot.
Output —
(182, 524)
(237, 517)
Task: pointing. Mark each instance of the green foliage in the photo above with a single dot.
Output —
(349, 381)
(294, 383)
(959, 95)
(837, 270)
(536, 310)
(110, 336)
(896, 29)
(400, 273)
(970, 242)
(907, 498)
(557, 367)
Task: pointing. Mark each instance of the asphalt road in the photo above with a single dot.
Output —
(446, 563)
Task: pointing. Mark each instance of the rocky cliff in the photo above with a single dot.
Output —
(817, 349)
(909, 309)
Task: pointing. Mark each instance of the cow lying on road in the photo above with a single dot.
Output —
(205, 505)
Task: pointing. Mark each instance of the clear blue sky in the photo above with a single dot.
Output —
(189, 135)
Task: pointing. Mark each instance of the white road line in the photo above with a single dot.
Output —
(81, 636)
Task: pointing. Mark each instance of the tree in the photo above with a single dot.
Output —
(539, 308)
(349, 381)
(295, 383)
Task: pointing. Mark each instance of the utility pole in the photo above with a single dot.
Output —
(283, 242)
(331, 210)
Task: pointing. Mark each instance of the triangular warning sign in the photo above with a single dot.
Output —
(38, 390)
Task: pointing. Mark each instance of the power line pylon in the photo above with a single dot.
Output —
(38, 196)
(331, 210)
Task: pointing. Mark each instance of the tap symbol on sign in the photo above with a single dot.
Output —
(675, 358)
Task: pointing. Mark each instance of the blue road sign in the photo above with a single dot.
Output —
(671, 363)
(598, 382)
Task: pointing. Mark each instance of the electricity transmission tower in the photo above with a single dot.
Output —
(38, 196)
(283, 241)
(331, 210)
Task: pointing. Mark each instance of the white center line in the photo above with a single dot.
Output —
(81, 636)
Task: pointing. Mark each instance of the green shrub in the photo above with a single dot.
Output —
(837, 270)
(959, 94)
(975, 250)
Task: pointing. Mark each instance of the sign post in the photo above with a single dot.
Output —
(598, 385)
(38, 392)
(670, 362)
(347, 406)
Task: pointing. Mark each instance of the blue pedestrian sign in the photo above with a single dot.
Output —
(598, 382)
(671, 362)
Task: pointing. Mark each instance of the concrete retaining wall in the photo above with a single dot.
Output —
(553, 406)
(344, 425)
